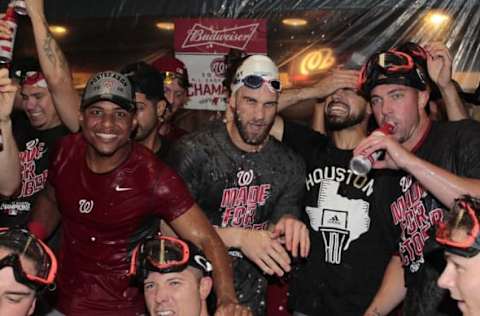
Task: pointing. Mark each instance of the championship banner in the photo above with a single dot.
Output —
(202, 44)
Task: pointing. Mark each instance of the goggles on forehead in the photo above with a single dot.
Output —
(459, 231)
(166, 254)
(33, 263)
(256, 81)
(390, 67)
(414, 50)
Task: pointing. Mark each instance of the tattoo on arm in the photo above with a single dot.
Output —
(52, 50)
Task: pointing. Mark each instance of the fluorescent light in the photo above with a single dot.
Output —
(167, 26)
(58, 29)
(437, 18)
(294, 22)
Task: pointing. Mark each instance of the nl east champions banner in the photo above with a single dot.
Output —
(202, 44)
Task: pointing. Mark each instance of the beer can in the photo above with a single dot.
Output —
(361, 165)
(20, 7)
(6, 43)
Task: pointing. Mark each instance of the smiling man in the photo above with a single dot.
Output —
(175, 275)
(109, 191)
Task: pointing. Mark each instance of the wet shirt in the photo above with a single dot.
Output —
(350, 242)
(240, 189)
(454, 146)
(34, 148)
(104, 216)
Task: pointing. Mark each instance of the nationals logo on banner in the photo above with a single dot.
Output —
(202, 44)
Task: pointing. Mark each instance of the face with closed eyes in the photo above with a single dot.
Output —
(16, 299)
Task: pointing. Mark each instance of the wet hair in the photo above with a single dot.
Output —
(145, 79)
(465, 222)
(233, 60)
(34, 254)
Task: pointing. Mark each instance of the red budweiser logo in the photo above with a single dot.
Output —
(234, 37)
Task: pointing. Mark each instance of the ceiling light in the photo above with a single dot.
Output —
(58, 30)
(437, 18)
(167, 26)
(294, 22)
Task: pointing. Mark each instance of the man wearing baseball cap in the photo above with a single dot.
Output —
(248, 184)
(175, 276)
(175, 86)
(435, 161)
(108, 192)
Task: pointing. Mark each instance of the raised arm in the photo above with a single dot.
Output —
(337, 78)
(54, 67)
(439, 63)
(441, 183)
(9, 161)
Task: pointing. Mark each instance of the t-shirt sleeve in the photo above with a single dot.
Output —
(302, 138)
(468, 149)
(184, 158)
(172, 196)
(290, 200)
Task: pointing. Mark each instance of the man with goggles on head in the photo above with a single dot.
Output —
(175, 275)
(435, 162)
(27, 266)
(459, 234)
(445, 101)
(248, 184)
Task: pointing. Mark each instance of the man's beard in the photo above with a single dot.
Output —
(336, 123)
(251, 140)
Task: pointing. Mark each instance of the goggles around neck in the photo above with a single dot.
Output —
(25, 248)
(459, 232)
(166, 254)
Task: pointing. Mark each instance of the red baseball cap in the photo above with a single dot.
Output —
(173, 66)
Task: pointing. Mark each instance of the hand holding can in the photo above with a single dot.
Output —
(361, 165)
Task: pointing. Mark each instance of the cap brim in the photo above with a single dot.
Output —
(127, 105)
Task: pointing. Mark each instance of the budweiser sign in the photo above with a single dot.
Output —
(237, 37)
(220, 35)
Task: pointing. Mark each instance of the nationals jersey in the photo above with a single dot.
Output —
(104, 216)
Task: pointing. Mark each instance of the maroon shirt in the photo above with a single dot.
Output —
(104, 216)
